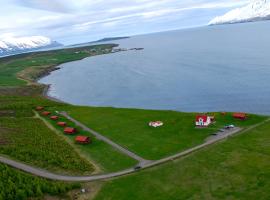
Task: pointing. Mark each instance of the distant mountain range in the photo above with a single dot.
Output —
(257, 10)
(101, 40)
(10, 46)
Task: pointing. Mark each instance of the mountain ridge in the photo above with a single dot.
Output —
(12, 45)
(257, 10)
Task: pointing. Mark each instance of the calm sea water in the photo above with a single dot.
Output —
(218, 68)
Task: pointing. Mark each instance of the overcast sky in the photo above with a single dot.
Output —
(72, 21)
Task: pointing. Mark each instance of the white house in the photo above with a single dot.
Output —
(203, 120)
(156, 124)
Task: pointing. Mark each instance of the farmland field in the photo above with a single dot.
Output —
(237, 169)
(30, 141)
(129, 127)
(19, 185)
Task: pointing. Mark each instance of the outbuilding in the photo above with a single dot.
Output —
(46, 113)
(203, 120)
(63, 124)
(156, 124)
(70, 130)
(82, 139)
(54, 117)
(241, 116)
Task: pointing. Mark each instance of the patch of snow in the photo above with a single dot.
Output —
(255, 11)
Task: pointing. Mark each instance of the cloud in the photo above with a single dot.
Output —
(88, 20)
(54, 6)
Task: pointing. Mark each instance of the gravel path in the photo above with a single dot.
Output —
(99, 136)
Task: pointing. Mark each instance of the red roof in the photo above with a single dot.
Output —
(61, 123)
(82, 139)
(54, 117)
(204, 117)
(39, 108)
(46, 113)
(69, 130)
(239, 115)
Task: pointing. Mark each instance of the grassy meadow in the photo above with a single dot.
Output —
(236, 169)
(30, 66)
(129, 127)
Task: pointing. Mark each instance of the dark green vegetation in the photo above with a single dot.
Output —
(18, 185)
(129, 127)
(106, 157)
(237, 169)
(30, 66)
(26, 138)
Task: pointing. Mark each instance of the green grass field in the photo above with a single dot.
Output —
(129, 127)
(39, 62)
(106, 157)
(236, 169)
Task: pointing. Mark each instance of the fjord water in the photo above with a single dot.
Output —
(216, 68)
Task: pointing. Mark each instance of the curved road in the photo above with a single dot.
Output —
(46, 174)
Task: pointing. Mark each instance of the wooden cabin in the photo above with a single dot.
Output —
(82, 139)
(54, 117)
(63, 124)
(46, 113)
(70, 130)
(241, 116)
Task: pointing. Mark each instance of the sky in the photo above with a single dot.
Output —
(75, 21)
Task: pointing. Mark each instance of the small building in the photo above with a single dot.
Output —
(202, 120)
(83, 139)
(156, 124)
(70, 130)
(241, 116)
(54, 117)
(63, 124)
(39, 108)
(46, 113)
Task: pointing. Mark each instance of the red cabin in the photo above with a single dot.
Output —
(70, 131)
(39, 108)
(54, 117)
(46, 113)
(61, 124)
(83, 139)
(241, 116)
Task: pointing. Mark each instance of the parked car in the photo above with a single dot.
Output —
(137, 167)
(229, 126)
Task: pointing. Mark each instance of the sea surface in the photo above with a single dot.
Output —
(214, 68)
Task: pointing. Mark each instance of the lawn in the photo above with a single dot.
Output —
(106, 157)
(20, 186)
(236, 169)
(129, 128)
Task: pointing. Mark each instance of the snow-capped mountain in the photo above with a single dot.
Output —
(13, 45)
(257, 10)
